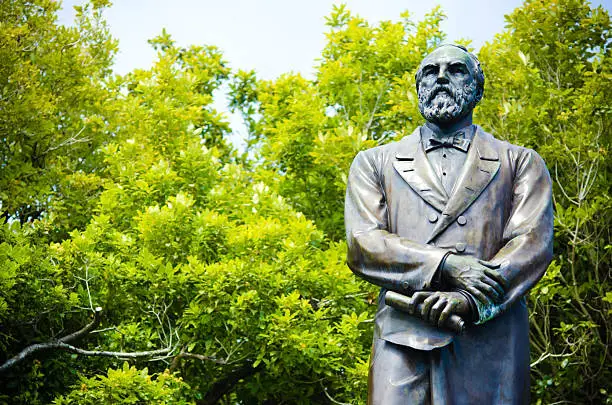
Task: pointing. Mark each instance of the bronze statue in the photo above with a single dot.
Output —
(457, 226)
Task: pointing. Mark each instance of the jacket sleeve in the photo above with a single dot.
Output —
(528, 234)
(380, 257)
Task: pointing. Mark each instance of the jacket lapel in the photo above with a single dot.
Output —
(412, 164)
(481, 166)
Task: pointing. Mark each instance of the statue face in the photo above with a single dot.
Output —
(448, 88)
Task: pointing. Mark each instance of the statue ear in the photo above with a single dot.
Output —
(479, 94)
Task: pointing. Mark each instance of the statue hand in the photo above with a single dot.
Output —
(438, 306)
(475, 276)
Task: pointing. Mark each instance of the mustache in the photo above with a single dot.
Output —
(442, 88)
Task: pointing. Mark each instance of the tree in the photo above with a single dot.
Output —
(53, 92)
(310, 130)
(181, 257)
(547, 77)
(134, 231)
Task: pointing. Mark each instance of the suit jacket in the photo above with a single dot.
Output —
(400, 222)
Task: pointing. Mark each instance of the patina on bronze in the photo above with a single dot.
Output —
(460, 225)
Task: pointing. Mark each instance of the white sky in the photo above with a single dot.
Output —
(275, 36)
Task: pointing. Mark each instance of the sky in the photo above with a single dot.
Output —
(274, 36)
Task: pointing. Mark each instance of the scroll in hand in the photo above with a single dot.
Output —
(445, 310)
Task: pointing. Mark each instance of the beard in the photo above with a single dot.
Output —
(444, 104)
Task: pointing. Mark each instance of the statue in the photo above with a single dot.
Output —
(455, 226)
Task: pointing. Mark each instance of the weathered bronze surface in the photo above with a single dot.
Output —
(459, 224)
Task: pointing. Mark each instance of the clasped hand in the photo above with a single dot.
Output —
(477, 277)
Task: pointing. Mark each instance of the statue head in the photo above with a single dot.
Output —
(449, 84)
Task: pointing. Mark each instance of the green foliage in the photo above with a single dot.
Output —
(32, 287)
(184, 250)
(237, 277)
(129, 386)
(123, 193)
(36, 302)
(308, 131)
(52, 95)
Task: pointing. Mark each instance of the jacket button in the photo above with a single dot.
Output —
(462, 220)
(433, 217)
(460, 247)
(405, 285)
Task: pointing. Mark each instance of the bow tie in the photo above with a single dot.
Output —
(457, 142)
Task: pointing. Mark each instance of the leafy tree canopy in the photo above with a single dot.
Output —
(144, 260)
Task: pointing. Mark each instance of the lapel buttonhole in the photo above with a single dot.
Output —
(403, 157)
(485, 150)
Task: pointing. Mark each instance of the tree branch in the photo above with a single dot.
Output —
(62, 344)
(330, 397)
(28, 351)
(76, 335)
(202, 357)
(74, 139)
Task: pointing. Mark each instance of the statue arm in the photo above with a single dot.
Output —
(375, 254)
(528, 235)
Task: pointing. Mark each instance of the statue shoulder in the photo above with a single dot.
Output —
(518, 156)
(386, 152)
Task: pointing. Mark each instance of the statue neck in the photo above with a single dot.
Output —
(451, 128)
